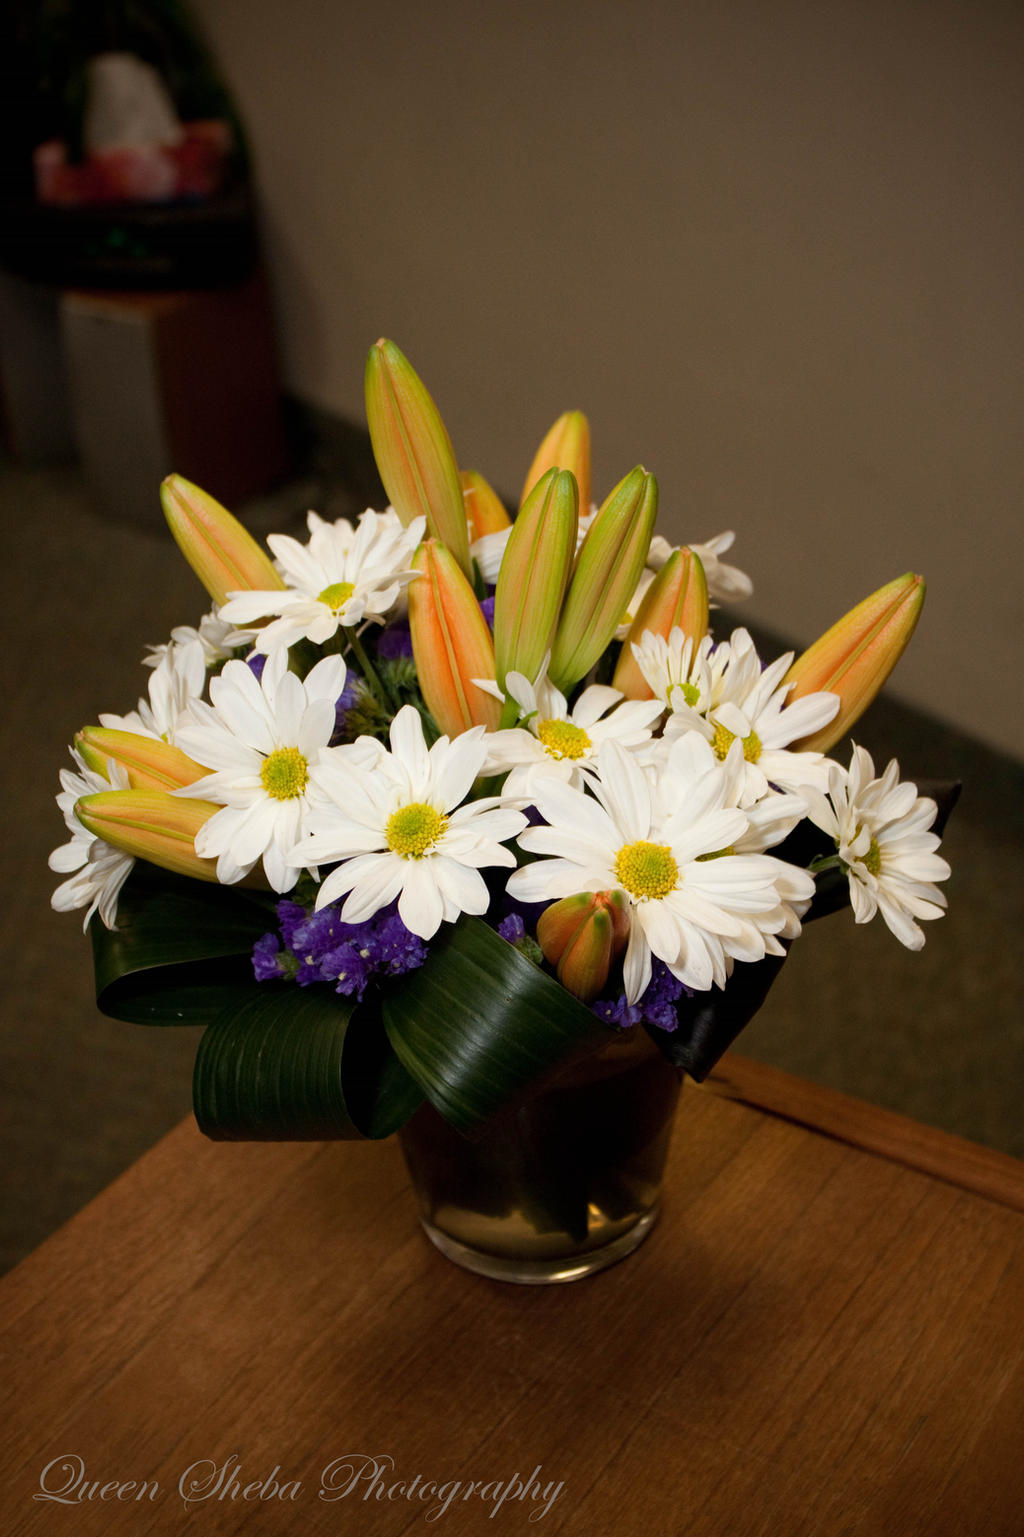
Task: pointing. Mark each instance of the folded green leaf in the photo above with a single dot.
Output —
(308, 1066)
(181, 951)
(479, 1026)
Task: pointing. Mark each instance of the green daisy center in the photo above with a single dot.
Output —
(689, 691)
(284, 774)
(872, 860)
(718, 853)
(336, 595)
(724, 739)
(561, 739)
(413, 830)
(646, 870)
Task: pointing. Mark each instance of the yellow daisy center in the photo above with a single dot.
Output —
(646, 870)
(689, 691)
(724, 739)
(413, 830)
(336, 595)
(561, 739)
(872, 860)
(284, 774)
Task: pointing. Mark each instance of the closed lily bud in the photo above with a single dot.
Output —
(534, 572)
(412, 448)
(581, 936)
(604, 580)
(151, 825)
(854, 658)
(149, 763)
(223, 555)
(676, 599)
(485, 511)
(451, 643)
(566, 446)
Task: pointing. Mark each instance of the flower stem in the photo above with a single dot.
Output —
(369, 672)
(826, 862)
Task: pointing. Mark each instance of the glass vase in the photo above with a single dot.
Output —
(566, 1185)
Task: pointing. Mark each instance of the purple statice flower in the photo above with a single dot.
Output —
(512, 928)
(319, 947)
(256, 662)
(267, 958)
(656, 1007)
(394, 642)
(487, 609)
(617, 1012)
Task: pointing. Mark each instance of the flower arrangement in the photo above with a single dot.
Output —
(431, 805)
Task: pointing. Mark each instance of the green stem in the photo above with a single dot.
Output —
(826, 862)
(369, 672)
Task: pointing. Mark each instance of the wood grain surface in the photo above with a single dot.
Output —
(817, 1341)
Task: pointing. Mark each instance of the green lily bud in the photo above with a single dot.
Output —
(223, 555)
(607, 570)
(854, 658)
(150, 764)
(152, 825)
(412, 448)
(581, 936)
(451, 643)
(676, 599)
(534, 572)
(566, 446)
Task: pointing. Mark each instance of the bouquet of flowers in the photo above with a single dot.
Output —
(432, 805)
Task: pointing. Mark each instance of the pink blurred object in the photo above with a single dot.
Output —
(136, 173)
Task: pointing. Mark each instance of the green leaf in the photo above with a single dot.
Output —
(181, 951)
(479, 1026)
(307, 1066)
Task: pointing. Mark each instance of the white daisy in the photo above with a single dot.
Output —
(557, 742)
(343, 575)
(685, 759)
(260, 738)
(726, 583)
(177, 679)
(488, 551)
(881, 830)
(216, 639)
(697, 914)
(398, 823)
(727, 694)
(99, 870)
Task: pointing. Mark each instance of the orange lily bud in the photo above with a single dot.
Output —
(534, 572)
(412, 448)
(566, 446)
(676, 599)
(223, 555)
(451, 643)
(581, 936)
(150, 764)
(485, 511)
(854, 658)
(152, 825)
(604, 580)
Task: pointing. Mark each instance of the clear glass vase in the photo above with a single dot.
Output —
(565, 1186)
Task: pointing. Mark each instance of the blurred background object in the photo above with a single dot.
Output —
(123, 160)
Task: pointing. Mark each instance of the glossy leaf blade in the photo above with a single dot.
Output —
(309, 1066)
(182, 949)
(479, 1026)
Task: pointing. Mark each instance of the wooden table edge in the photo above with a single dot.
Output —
(985, 1172)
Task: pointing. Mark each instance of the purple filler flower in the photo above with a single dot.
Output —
(319, 947)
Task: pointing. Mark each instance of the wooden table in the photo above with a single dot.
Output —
(824, 1335)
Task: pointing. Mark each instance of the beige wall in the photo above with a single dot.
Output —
(773, 250)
